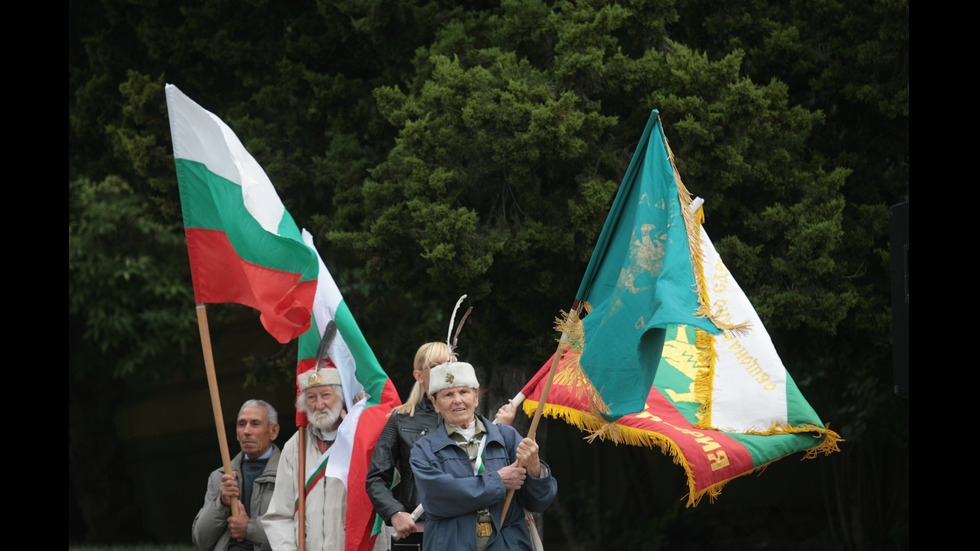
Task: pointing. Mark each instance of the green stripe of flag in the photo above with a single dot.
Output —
(211, 202)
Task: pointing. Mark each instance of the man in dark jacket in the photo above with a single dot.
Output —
(251, 484)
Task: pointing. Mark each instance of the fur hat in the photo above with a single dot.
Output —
(326, 375)
(452, 375)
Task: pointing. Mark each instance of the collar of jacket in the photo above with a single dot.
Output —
(425, 404)
(268, 474)
(442, 440)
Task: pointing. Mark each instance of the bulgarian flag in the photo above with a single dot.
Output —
(350, 455)
(245, 248)
(243, 245)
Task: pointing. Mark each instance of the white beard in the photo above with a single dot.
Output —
(325, 419)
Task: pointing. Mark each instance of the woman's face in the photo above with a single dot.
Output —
(422, 376)
(457, 405)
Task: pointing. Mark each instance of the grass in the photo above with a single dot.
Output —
(132, 548)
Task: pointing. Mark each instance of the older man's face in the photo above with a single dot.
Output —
(324, 404)
(255, 434)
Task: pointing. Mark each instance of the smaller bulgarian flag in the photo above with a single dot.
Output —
(360, 371)
(243, 245)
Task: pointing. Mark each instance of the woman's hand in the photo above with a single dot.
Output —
(403, 524)
(527, 454)
(512, 476)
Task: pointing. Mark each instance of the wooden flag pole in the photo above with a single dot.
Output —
(540, 409)
(219, 420)
(301, 467)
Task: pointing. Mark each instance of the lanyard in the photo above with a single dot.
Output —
(478, 463)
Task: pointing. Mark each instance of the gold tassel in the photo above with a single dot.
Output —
(704, 382)
(570, 324)
(692, 222)
(621, 434)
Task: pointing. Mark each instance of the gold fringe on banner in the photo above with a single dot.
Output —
(692, 222)
(570, 325)
(573, 378)
(704, 382)
(599, 428)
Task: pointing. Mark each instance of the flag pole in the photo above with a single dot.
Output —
(219, 420)
(322, 352)
(301, 469)
(544, 398)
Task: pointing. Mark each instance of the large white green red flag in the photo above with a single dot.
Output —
(244, 247)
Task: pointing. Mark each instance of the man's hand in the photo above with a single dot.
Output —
(512, 476)
(403, 524)
(527, 455)
(505, 415)
(238, 526)
(229, 488)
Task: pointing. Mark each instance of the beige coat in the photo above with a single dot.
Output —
(326, 505)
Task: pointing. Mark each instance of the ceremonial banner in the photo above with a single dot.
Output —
(243, 245)
(640, 280)
(650, 354)
(754, 415)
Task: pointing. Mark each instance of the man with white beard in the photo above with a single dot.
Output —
(322, 398)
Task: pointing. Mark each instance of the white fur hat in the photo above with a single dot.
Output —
(326, 375)
(452, 375)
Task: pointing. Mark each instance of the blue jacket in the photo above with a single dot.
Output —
(452, 495)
